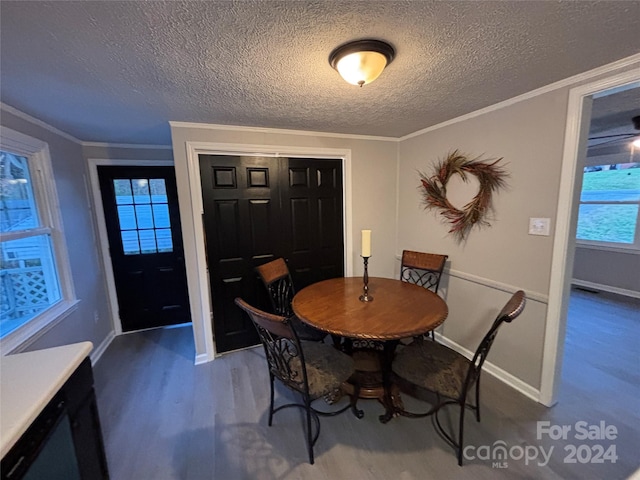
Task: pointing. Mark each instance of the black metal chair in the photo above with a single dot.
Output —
(311, 369)
(424, 269)
(432, 367)
(277, 280)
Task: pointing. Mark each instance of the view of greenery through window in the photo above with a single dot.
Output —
(609, 203)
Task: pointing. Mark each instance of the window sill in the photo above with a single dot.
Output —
(22, 337)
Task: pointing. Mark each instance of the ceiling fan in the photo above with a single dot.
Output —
(616, 138)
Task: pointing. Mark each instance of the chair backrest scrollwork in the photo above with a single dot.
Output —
(281, 347)
(277, 279)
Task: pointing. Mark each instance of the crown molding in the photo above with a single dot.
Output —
(567, 82)
(52, 129)
(126, 145)
(238, 128)
(38, 122)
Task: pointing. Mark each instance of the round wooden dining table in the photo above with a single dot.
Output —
(397, 310)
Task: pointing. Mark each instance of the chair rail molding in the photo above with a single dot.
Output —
(504, 287)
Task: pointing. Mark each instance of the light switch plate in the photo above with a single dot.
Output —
(539, 226)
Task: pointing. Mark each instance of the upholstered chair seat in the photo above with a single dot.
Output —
(449, 375)
(327, 368)
(432, 366)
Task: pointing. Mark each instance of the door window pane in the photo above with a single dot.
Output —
(161, 215)
(130, 244)
(165, 243)
(147, 241)
(141, 190)
(158, 190)
(127, 217)
(144, 217)
(122, 190)
(150, 212)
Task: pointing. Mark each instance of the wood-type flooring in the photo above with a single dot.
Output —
(165, 418)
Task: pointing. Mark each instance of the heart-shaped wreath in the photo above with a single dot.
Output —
(491, 178)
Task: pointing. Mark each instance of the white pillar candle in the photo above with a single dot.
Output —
(366, 243)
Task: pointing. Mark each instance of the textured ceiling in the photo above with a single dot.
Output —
(119, 71)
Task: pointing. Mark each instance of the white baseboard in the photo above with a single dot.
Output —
(100, 349)
(605, 288)
(495, 371)
(202, 358)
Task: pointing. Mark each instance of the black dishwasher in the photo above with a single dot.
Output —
(65, 440)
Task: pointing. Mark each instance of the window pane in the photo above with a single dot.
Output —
(28, 281)
(17, 204)
(141, 190)
(143, 213)
(147, 241)
(126, 217)
(611, 183)
(122, 189)
(161, 216)
(607, 223)
(158, 190)
(130, 245)
(165, 244)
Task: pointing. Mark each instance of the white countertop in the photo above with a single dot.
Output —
(28, 381)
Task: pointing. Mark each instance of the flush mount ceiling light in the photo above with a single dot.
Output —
(362, 61)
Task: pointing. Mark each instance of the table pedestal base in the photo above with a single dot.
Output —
(370, 381)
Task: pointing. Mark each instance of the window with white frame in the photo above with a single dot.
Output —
(35, 281)
(610, 206)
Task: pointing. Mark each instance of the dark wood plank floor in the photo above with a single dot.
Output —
(164, 418)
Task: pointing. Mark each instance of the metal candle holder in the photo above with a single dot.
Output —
(365, 297)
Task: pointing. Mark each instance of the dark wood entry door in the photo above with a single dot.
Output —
(145, 241)
(260, 208)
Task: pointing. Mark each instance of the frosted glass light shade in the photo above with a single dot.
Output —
(362, 61)
(361, 68)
